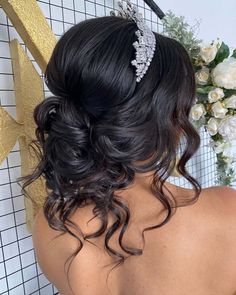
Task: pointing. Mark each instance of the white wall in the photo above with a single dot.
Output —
(218, 17)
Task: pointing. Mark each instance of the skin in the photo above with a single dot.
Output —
(194, 253)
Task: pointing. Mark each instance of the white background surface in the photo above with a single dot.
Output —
(218, 18)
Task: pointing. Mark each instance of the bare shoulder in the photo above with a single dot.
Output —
(221, 203)
(52, 251)
(224, 198)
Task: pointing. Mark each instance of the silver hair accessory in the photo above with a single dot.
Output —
(145, 46)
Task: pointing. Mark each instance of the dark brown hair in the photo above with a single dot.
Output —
(99, 122)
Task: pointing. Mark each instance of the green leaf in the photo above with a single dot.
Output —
(178, 29)
(222, 53)
(200, 90)
(212, 64)
(197, 67)
(229, 92)
(217, 137)
(205, 89)
(234, 53)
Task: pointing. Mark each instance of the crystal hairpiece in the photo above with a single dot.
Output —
(145, 46)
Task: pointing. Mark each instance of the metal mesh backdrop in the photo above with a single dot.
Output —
(19, 271)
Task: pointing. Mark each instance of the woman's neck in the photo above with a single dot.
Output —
(141, 200)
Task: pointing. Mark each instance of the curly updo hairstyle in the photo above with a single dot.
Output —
(100, 123)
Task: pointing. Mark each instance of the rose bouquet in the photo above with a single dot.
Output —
(215, 106)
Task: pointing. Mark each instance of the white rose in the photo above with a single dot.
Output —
(227, 128)
(230, 102)
(212, 126)
(229, 160)
(197, 111)
(228, 154)
(218, 110)
(215, 94)
(225, 148)
(202, 76)
(224, 74)
(208, 52)
(219, 146)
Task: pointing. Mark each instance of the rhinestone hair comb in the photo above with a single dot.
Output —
(145, 46)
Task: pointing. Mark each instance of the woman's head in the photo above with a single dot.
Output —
(100, 122)
(90, 73)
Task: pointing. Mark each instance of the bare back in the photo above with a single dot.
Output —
(194, 253)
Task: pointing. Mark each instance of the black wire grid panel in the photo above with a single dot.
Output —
(19, 272)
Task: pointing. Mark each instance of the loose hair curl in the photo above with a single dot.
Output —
(99, 123)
